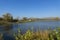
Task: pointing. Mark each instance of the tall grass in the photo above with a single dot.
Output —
(39, 35)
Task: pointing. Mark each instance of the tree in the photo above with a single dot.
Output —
(24, 18)
(7, 17)
(57, 18)
(16, 19)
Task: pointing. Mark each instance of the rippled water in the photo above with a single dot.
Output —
(41, 25)
(38, 25)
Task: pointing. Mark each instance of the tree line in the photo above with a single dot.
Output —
(9, 18)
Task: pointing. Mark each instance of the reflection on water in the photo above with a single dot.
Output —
(35, 25)
(7, 32)
(44, 25)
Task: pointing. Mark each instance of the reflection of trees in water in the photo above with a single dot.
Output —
(7, 36)
(8, 33)
(8, 27)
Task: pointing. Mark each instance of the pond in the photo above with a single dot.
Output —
(33, 26)
(38, 25)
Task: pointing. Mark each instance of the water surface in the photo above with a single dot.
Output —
(38, 25)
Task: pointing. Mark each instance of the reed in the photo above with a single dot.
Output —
(39, 35)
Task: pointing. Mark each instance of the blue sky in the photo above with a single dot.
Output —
(31, 8)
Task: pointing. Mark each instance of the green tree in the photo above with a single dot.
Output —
(24, 18)
(8, 17)
(56, 18)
